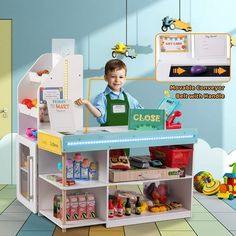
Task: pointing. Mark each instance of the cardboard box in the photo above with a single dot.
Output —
(82, 214)
(143, 174)
(91, 206)
(74, 207)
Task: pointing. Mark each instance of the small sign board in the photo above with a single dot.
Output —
(61, 115)
(146, 119)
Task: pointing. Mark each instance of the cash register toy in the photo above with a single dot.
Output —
(170, 105)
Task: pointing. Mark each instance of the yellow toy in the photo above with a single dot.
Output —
(211, 187)
(121, 48)
(171, 23)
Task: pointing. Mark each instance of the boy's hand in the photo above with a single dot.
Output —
(89, 105)
(80, 101)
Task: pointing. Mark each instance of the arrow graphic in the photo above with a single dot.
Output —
(178, 70)
(219, 70)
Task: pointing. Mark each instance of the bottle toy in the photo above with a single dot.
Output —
(127, 207)
(85, 169)
(93, 173)
(138, 209)
(110, 209)
(77, 166)
(120, 210)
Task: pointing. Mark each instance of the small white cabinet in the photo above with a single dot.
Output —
(26, 162)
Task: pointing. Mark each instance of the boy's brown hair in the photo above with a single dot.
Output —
(115, 64)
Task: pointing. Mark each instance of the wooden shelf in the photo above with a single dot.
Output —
(34, 77)
(80, 184)
(71, 224)
(33, 112)
(148, 217)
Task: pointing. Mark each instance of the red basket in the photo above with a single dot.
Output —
(172, 156)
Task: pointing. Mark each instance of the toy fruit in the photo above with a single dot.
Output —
(27, 102)
(34, 102)
(157, 194)
(162, 189)
(144, 206)
(41, 72)
(154, 209)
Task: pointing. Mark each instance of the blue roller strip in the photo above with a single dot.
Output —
(130, 139)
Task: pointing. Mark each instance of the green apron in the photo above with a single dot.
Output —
(117, 113)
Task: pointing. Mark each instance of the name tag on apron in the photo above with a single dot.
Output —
(118, 108)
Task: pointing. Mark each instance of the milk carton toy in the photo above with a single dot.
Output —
(67, 208)
(57, 212)
(74, 207)
(85, 169)
(77, 166)
(69, 169)
(57, 206)
(82, 206)
(91, 209)
(93, 171)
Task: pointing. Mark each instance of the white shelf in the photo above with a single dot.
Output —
(30, 112)
(148, 217)
(34, 77)
(71, 224)
(80, 184)
(149, 180)
(28, 139)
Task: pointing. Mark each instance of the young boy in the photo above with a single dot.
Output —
(111, 108)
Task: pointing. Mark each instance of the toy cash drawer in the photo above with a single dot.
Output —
(143, 174)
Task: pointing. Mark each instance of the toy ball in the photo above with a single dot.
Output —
(200, 180)
(211, 187)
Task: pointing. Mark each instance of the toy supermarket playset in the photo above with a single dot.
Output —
(67, 173)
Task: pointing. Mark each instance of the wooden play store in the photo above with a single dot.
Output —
(65, 174)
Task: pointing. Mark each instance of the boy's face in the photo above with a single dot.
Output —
(116, 79)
